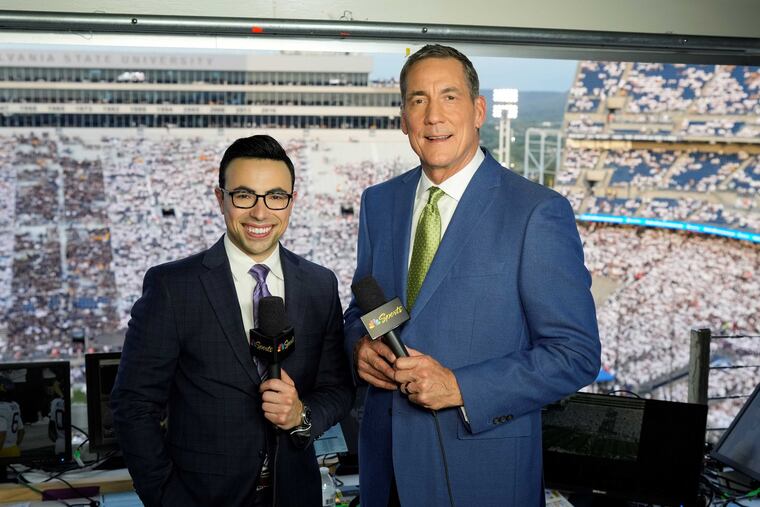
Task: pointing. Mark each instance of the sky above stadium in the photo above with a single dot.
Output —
(525, 74)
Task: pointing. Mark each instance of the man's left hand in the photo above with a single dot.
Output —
(427, 382)
(281, 404)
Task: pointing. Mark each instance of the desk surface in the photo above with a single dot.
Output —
(109, 481)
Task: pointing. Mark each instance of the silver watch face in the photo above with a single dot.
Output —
(306, 416)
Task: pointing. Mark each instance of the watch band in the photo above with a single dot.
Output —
(303, 429)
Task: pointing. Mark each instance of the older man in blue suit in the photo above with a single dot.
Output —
(490, 266)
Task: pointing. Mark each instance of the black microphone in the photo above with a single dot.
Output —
(273, 340)
(381, 317)
(380, 320)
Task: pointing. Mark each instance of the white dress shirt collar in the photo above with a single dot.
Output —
(241, 263)
(455, 185)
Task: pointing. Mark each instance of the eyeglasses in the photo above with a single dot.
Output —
(245, 199)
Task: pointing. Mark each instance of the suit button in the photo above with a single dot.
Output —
(496, 420)
(262, 453)
(508, 418)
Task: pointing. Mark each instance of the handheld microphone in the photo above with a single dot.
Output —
(273, 340)
(381, 317)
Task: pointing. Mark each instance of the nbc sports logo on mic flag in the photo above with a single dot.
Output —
(384, 318)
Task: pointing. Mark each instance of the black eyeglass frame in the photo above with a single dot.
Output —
(233, 193)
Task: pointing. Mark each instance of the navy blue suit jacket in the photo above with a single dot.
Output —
(186, 351)
(506, 305)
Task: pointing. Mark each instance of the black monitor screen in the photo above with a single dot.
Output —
(35, 413)
(627, 448)
(101, 371)
(739, 447)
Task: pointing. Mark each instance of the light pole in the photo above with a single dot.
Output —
(505, 109)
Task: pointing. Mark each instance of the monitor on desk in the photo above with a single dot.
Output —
(739, 447)
(100, 371)
(627, 448)
(35, 414)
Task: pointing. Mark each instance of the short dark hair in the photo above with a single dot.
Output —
(261, 146)
(439, 51)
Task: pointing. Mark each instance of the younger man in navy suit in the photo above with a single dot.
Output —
(186, 353)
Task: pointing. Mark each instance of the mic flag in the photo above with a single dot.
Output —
(273, 340)
(385, 318)
(381, 318)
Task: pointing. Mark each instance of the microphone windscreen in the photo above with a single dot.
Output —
(272, 319)
(369, 294)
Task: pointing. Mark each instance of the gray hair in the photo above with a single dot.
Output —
(439, 51)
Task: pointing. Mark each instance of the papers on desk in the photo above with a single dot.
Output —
(555, 499)
(332, 441)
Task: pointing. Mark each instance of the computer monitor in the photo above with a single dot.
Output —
(100, 373)
(739, 447)
(625, 448)
(35, 414)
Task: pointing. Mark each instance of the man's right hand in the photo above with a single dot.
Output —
(373, 361)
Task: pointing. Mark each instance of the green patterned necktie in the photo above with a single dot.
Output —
(426, 241)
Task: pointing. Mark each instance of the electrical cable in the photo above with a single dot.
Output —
(730, 480)
(443, 456)
(733, 397)
(277, 437)
(738, 367)
(325, 457)
(80, 430)
(24, 482)
(93, 502)
(626, 391)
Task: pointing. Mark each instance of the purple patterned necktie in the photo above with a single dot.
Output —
(259, 273)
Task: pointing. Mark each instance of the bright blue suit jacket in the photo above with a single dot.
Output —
(506, 305)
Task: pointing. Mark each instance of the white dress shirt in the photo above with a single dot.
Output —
(453, 187)
(241, 263)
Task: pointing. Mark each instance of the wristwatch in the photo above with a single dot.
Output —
(302, 432)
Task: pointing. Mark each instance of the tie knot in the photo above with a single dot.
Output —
(435, 195)
(259, 273)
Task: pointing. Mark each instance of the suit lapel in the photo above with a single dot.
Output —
(220, 290)
(477, 198)
(403, 208)
(295, 296)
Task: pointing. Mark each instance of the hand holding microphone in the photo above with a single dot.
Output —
(427, 382)
(373, 357)
(438, 387)
(271, 342)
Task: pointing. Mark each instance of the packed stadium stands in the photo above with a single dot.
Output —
(85, 216)
(671, 89)
(667, 283)
(678, 143)
(84, 213)
(665, 141)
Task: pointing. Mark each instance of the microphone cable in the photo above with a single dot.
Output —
(369, 297)
(443, 456)
(277, 437)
